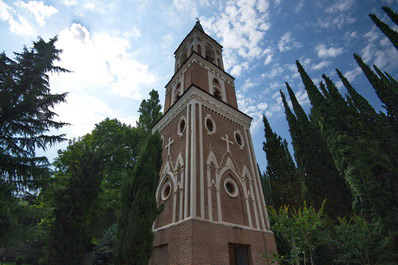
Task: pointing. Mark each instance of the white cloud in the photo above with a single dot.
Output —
(81, 7)
(277, 2)
(372, 35)
(275, 70)
(4, 11)
(340, 6)
(189, 6)
(166, 41)
(18, 24)
(320, 65)
(352, 74)
(40, 11)
(69, 3)
(324, 52)
(238, 68)
(100, 77)
(302, 97)
(262, 106)
(299, 6)
(21, 26)
(241, 29)
(269, 54)
(249, 83)
(334, 21)
(287, 43)
(249, 106)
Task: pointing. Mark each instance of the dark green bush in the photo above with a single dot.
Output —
(19, 260)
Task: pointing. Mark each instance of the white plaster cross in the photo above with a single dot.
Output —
(228, 142)
(169, 145)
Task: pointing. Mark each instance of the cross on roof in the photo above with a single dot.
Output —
(169, 145)
(228, 142)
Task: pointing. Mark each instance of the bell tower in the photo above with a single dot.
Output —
(214, 208)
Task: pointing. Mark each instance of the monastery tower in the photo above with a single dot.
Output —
(214, 208)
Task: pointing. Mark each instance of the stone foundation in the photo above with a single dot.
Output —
(174, 245)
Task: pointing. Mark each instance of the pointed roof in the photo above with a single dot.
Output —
(198, 26)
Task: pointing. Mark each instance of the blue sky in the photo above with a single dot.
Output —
(120, 50)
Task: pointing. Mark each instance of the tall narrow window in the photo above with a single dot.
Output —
(199, 49)
(183, 56)
(177, 92)
(218, 62)
(210, 54)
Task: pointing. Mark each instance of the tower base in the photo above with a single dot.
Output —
(196, 241)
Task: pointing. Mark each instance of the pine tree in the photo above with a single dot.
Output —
(134, 238)
(364, 165)
(26, 114)
(321, 178)
(285, 180)
(391, 34)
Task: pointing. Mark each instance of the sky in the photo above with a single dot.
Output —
(120, 50)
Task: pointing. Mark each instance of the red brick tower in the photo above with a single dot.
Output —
(209, 183)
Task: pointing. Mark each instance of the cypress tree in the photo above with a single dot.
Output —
(385, 89)
(285, 180)
(134, 237)
(391, 14)
(266, 185)
(321, 177)
(323, 89)
(366, 168)
(391, 34)
(361, 105)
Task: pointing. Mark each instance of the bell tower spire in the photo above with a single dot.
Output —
(214, 208)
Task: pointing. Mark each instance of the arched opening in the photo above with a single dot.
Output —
(177, 92)
(210, 54)
(183, 56)
(217, 93)
(199, 48)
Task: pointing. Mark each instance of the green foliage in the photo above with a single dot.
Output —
(138, 207)
(26, 115)
(391, 34)
(321, 178)
(360, 242)
(367, 169)
(149, 111)
(304, 236)
(386, 89)
(302, 230)
(19, 260)
(119, 144)
(103, 252)
(283, 182)
(74, 201)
